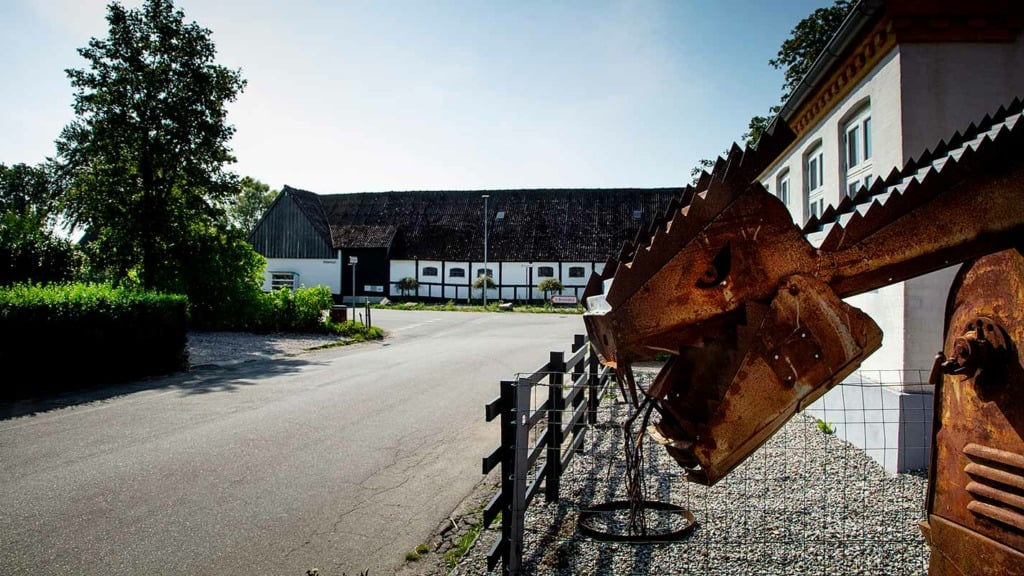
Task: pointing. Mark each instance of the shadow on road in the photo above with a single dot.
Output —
(207, 379)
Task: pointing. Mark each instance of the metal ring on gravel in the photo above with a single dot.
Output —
(588, 514)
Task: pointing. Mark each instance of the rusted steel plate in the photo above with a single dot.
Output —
(977, 479)
(956, 551)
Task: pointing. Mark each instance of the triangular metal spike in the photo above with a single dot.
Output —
(733, 162)
(1015, 107)
(829, 214)
(718, 170)
(593, 286)
(812, 225)
(702, 183)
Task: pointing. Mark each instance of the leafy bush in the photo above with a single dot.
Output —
(105, 334)
(223, 280)
(354, 331)
(407, 285)
(284, 310)
(550, 285)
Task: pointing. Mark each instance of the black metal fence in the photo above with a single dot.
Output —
(817, 498)
(539, 441)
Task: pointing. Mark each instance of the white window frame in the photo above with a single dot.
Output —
(814, 181)
(452, 272)
(429, 271)
(280, 280)
(542, 269)
(858, 165)
(480, 272)
(577, 272)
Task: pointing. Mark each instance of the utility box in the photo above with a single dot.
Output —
(339, 314)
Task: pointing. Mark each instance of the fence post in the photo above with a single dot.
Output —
(556, 405)
(592, 385)
(508, 463)
(519, 474)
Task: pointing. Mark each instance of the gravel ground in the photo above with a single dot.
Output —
(219, 348)
(805, 503)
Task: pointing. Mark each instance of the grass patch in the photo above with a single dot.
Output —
(452, 557)
(451, 306)
(825, 427)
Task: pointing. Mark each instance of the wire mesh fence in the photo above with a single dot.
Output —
(817, 498)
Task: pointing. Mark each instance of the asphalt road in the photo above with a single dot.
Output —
(342, 459)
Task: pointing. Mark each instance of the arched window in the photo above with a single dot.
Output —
(577, 272)
(545, 272)
(856, 138)
(457, 273)
(429, 271)
(814, 180)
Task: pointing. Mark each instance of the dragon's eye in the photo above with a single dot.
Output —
(717, 270)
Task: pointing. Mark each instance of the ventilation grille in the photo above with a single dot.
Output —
(997, 484)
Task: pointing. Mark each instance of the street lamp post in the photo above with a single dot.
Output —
(486, 275)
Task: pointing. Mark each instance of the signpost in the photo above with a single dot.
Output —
(352, 261)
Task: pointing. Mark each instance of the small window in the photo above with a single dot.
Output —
(457, 273)
(480, 272)
(782, 187)
(280, 280)
(577, 272)
(637, 214)
(501, 215)
(429, 271)
(545, 271)
(814, 178)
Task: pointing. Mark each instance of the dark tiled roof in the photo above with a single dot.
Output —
(535, 225)
(311, 206)
(355, 236)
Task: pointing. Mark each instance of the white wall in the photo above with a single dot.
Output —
(516, 280)
(311, 272)
(947, 86)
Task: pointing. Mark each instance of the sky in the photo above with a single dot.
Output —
(350, 96)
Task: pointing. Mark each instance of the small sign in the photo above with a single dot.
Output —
(559, 299)
(353, 259)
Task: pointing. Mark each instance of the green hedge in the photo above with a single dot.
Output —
(67, 336)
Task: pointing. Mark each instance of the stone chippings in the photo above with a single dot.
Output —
(805, 503)
(207, 348)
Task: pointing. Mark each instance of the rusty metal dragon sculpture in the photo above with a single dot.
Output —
(750, 309)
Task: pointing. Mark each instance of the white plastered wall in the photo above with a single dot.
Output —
(319, 272)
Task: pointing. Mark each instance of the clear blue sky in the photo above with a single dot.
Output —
(382, 95)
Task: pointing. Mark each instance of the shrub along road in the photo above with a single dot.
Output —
(340, 459)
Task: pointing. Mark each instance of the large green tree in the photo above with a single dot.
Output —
(146, 154)
(248, 207)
